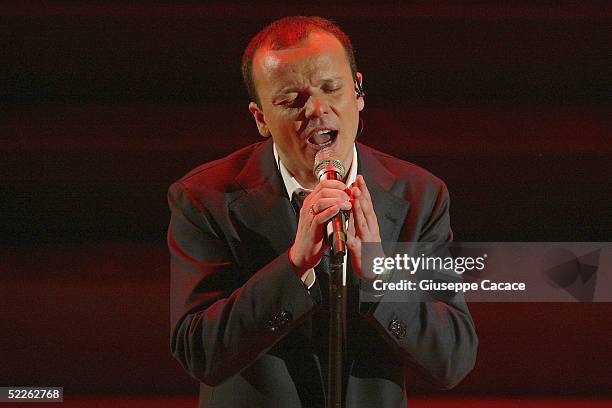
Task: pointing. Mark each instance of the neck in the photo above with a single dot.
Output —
(309, 181)
(306, 179)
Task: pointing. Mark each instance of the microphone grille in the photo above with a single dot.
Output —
(327, 160)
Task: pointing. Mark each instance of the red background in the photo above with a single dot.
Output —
(104, 105)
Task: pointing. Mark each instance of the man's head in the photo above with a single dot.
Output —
(301, 74)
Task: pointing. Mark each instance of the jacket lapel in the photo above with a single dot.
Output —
(264, 208)
(386, 192)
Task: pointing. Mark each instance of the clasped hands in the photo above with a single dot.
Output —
(324, 202)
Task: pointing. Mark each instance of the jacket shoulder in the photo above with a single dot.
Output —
(211, 185)
(406, 171)
(218, 174)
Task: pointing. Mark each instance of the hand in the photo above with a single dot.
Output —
(363, 226)
(327, 199)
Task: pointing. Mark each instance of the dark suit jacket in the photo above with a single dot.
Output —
(246, 327)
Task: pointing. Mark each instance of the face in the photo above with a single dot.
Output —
(308, 101)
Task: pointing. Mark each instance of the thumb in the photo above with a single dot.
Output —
(353, 243)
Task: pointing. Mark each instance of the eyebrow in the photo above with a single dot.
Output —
(294, 88)
(336, 78)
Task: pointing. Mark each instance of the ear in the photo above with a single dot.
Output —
(260, 119)
(360, 100)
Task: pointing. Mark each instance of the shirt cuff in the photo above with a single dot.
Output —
(308, 278)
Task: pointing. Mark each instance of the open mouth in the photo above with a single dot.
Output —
(322, 138)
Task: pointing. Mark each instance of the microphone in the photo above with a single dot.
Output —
(327, 166)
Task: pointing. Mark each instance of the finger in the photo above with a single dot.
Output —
(361, 224)
(324, 203)
(351, 225)
(332, 184)
(326, 214)
(366, 201)
(307, 214)
(326, 193)
(369, 215)
(353, 243)
(350, 232)
(364, 205)
(363, 186)
(360, 207)
(367, 205)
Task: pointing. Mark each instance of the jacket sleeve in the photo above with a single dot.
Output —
(436, 337)
(220, 322)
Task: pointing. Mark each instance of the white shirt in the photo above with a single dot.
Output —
(291, 184)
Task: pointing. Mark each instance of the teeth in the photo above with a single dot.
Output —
(322, 137)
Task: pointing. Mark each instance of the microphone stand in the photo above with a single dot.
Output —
(337, 316)
(328, 166)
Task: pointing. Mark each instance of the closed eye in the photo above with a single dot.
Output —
(332, 89)
(294, 100)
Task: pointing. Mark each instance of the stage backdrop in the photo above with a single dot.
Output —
(103, 105)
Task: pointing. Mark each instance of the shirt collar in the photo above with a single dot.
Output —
(291, 184)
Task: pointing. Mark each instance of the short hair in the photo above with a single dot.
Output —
(286, 32)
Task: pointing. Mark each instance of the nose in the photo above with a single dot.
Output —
(316, 107)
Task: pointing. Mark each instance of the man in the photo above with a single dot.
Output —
(248, 295)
